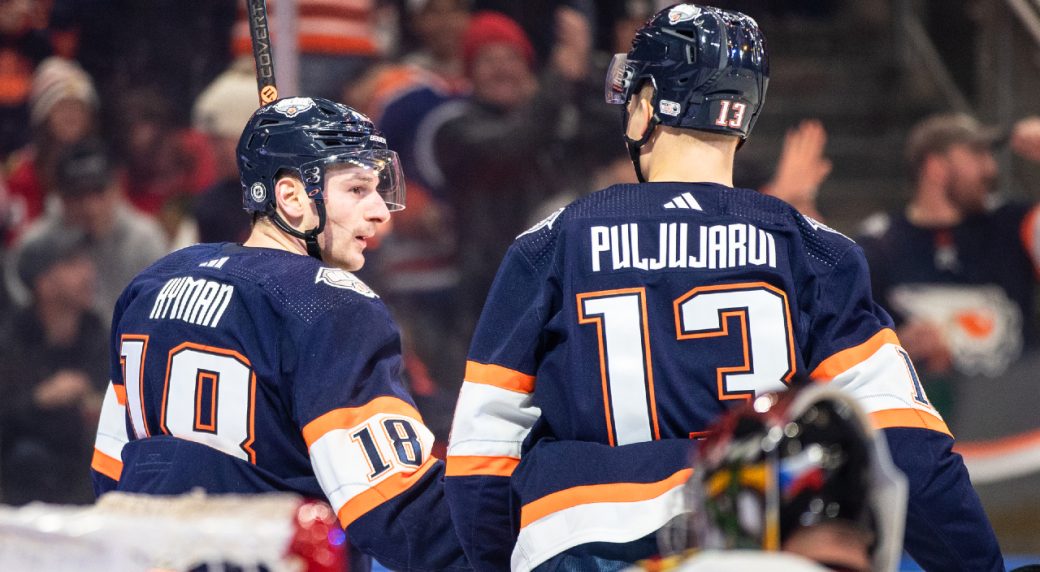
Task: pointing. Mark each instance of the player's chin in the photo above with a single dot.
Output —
(353, 262)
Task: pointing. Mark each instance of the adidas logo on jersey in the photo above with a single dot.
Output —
(215, 263)
(684, 201)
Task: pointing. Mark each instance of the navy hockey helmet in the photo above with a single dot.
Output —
(792, 460)
(708, 66)
(304, 137)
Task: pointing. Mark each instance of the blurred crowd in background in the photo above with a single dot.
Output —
(119, 121)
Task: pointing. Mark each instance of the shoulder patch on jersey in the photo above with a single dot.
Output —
(338, 278)
(546, 222)
(817, 226)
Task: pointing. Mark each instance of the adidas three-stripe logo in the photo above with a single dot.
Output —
(684, 201)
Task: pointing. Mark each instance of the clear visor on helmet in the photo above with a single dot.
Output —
(619, 80)
(379, 169)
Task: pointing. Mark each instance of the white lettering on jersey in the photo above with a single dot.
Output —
(201, 302)
(717, 247)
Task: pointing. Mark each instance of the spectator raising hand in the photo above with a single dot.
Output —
(802, 167)
(570, 56)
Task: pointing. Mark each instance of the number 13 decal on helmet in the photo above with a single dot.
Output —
(731, 114)
(626, 368)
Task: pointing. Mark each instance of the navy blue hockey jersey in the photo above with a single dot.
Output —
(623, 325)
(247, 370)
(950, 277)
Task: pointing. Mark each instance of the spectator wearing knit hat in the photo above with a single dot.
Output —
(63, 109)
(504, 152)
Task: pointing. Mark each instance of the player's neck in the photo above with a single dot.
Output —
(266, 235)
(681, 157)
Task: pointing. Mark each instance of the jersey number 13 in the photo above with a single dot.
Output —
(626, 367)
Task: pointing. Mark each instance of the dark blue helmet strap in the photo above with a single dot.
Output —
(310, 237)
(636, 145)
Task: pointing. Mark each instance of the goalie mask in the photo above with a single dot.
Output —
(793, 460)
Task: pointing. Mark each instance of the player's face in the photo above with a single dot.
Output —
(972, 174)
(355, 210)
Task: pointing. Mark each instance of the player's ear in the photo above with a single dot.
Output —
(291, 199)
(640, 111)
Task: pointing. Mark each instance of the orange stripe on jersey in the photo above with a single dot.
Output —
(850, 357)
(908, 418)
(498, 376)
(463, 466)
(102, 463)
(612, 492)
(389, 488)
(348, 417)
(120, 390)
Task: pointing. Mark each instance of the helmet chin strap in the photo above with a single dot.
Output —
(310, 237)
(636, 145)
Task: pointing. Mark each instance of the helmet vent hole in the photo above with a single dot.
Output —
(688, 35)
(267, 122)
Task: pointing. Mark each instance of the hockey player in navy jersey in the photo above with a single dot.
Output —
(267, 366)
(618, 328)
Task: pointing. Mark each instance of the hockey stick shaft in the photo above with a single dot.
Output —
(261, 37)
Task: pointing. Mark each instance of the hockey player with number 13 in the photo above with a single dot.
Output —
(621, 326)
